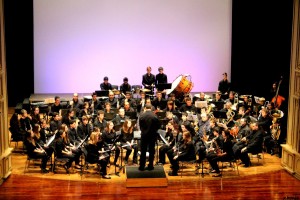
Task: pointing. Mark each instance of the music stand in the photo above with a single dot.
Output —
(102, 93)
(201, 104)
(109, 116)
(161, 115)
(162, 86)
(131, 115)
(219, 104)
(220, 114)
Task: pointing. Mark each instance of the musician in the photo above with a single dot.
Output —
(55, 123)
(128, 98)
(230, 113)
(84, 129)
(224, 85)
(200, 98)
(120, 117)
(96, 144)
(188, 107)
(86, 111)
(63, 151)
(216, 143)
(253, 144)
(148, 102)
(161, 78)
(170, 107)
(25, 121)
(72, 133)
(76, 104)
(159, 102)
(95, 104)
(224, 155)
(172, 137)
(149, 124)
(99, 121)
(247, 104)
(218, 101)
(173, 98)
(231, 98)
(265, 122)
(108, 109)
(243, 129)
(35, 116)
(127, 141)
(127, 107)
(68, 117)
(33, 150)
(186, 151)
(105, 85)
(148, 81)
(141, 101)
(125, 86)
(17, 133)
(110, 137)
(45, 131)
(112, 100)
(39, 140)
(55, 108)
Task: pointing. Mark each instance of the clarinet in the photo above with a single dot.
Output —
(43, 150)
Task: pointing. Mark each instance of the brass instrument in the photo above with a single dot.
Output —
(230, 114)
(235, 102)
(275, 131)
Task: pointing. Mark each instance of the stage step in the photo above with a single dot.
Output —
(153, 178)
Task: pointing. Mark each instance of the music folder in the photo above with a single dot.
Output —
(50, 140)
(201, 104)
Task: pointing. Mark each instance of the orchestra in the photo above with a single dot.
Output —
(216, 127)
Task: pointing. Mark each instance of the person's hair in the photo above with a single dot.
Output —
(84, 118)
(93, 137)
(100, 112)
(56, 97)
(216, 129)
(127, 129)
(72, 121)
(160, 68)
(94, 93)
(147, 106)
(125, 79)
(107, 126)
(36, 131)
(105, 78)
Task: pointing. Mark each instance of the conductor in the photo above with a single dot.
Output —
(149, 124)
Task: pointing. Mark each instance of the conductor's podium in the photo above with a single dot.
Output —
(153, 178)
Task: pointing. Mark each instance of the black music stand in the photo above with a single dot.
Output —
(220, 114)
(162, 86)
(102, 93)
(131, 115)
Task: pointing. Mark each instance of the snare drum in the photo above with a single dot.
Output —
(181, 86)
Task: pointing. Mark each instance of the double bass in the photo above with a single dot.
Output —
(278, 99)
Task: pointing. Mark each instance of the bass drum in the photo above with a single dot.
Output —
(182, 85)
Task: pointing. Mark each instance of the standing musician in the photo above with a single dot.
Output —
(34, 151)
(224, 85)
(172, 137)
(161, 78)
(127, 141)
(185, 152)
(148, 81)
(110, 137)
(96, 152)
(225, 154)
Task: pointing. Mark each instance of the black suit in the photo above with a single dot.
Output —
(148, 80)
(149, 124)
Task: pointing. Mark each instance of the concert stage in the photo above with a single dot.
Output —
(153, 178)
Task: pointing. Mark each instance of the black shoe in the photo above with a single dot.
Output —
(44, 171)
(141, 168)
(106, 177)
(171, 173)
(149, 168)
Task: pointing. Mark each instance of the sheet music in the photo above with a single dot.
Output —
(163, 139)
(50, 140)
(81, 142)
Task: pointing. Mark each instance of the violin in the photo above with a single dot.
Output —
(278, 99)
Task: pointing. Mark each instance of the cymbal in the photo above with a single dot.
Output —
(116, 92)
(146, 90)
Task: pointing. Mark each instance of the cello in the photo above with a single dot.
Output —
(278, 99)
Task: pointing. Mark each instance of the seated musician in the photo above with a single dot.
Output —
(35, 116)
(172, 136)
(170, 106)
(68, 117)
(48, 150)
(188, 107)
(96, 152)
(45, 131)
(34, 151)
(243, 129)
(253, 144)
(231, 98)
(223, 154)
(127, 107)
(76, 150)
(130, 99)
(247, 104)
(63, 152)
(201, 137)
(84, 129)
(200, 98)
(25, 121)
(72, 133)
(158, 102)
(17, 133)
(127, 141)
(218, 101)
(95, 105)
(185, 152)
(108, 110)
(110, 137)
(99, 121)
(114, 102)
(140, 104)
(173, 98)
(120, 118)
(86, 111)
(76, 104)
(55, 123)
(230, 113)
(54, 108)
(265, 122)
(148, 102)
